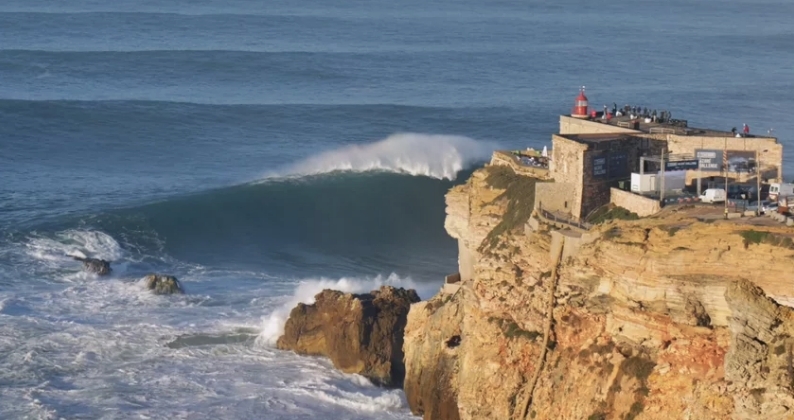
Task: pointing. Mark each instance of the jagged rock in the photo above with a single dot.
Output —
(95, 265)
(163, 284)
(360, 333)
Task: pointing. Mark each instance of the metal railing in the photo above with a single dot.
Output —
(570, 221)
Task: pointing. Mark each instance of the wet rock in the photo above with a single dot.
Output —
(163, 284)
(95, 265)
(360, 333)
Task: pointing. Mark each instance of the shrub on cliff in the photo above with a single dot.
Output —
(519, 192)
(611, 212)
(758, 237)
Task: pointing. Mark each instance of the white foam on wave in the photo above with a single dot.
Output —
(273, 324)
(77, 243)
(432, 155)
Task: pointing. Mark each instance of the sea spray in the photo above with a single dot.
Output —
(273, 324)
(431, 155)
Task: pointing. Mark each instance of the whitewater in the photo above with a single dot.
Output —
(73, 345)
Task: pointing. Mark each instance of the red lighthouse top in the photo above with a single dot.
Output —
(580, 106)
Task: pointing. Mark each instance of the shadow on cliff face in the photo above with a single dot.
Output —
(433, 395)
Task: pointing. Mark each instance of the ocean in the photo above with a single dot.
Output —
(263, 151)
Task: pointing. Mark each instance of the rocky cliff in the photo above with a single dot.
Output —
(360, 333)
(660, 318)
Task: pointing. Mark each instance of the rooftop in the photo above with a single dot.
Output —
(596, 138)
(673, 126)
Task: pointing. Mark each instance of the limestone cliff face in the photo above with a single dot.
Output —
(661, 318)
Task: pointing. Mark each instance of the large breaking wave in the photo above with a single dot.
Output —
(358, 210)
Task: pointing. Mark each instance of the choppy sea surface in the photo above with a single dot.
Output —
(262, 151)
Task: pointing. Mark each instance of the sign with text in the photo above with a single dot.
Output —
(736, 160)
(709, 159)
(681, 165)
(600, 166)
(611, 165)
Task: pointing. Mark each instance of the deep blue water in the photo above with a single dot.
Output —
(254, 149)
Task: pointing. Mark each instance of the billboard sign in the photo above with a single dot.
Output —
(681, 165)
(710, 159)
(741, 161)
(737, 160)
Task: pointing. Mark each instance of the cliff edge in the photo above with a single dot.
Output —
(665, 318)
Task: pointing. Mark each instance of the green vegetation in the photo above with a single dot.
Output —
(671, 230)
(520, 195)
(758, 237)
(611, 212)
(780, 350)
(512, 330)
(638, 367)
(635, 410)
(754, 237)
(597, 416)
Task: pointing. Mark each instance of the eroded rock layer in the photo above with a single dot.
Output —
(659, 318)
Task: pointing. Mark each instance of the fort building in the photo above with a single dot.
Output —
(595, 153)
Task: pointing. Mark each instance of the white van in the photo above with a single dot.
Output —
(777, 189)
(713, 195)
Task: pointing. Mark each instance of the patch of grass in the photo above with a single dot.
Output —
(602, 350)
(512, 330)
(610, 212)
(753, 237)
(634, 411)
(519, 191)
(758, 237)
(638, 367)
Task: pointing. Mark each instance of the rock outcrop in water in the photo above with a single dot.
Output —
(95, 265)
(659, 318)
(163, 284)
(360, 333)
